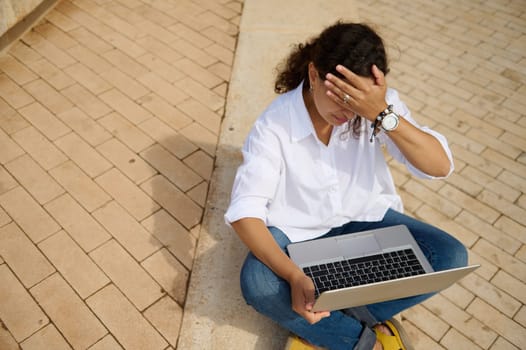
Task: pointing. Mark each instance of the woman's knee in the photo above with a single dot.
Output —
(442, 249)
(260, 286)
(458, 254)
(447, 252)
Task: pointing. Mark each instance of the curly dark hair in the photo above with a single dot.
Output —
(354, 45)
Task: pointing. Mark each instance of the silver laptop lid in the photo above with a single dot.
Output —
(366, 243)
(389, 290)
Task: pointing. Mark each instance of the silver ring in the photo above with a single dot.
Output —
(346, 98)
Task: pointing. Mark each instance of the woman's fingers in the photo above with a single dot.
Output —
(350, 90)
(353, 80)
(336, 94)
(364, 96)
(303, 299)
(314, 317)
(310, 316)
(339, 86)
(379, 76)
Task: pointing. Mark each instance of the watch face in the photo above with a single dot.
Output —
(390, 122)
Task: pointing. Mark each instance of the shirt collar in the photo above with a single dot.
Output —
(300, 122)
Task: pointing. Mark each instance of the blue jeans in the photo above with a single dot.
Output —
(350, 328)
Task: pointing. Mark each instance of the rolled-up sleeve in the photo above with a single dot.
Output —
(257, 178)
(401, 109)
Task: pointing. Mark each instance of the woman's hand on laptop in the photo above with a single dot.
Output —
(302, 295)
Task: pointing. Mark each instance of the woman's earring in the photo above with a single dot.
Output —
(311, 89)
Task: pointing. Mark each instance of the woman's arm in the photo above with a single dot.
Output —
(367, 99)
(259, 240)
(421, 149)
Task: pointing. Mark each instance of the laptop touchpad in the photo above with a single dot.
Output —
(358, 246)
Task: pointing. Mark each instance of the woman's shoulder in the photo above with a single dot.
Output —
(277, 112)
(393, 98)
(392, 95)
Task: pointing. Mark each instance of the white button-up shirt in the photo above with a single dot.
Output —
(291, 180)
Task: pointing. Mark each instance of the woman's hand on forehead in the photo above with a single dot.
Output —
(364, 96)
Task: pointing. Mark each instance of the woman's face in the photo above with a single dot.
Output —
(328, 110)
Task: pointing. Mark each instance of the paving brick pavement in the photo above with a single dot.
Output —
(110, 112)
(461, 67)
(109, 119)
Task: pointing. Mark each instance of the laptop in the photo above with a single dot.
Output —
(368, 267)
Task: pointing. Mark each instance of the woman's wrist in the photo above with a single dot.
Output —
(381, 108)
(294, 274)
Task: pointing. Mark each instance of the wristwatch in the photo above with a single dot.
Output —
(389, 120)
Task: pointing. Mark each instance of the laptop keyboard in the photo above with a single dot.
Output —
(364, 270)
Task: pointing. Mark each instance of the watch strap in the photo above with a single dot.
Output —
(378, 121)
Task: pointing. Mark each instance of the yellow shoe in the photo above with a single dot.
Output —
(397, 341)
(296, 343)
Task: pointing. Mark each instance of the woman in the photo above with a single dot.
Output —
(314, 167)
